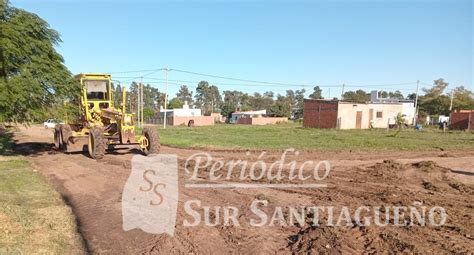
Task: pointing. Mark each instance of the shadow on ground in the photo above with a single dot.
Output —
(11, 147)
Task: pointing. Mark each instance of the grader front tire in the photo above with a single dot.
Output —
(97, 143)
(57, 138)
(152, 141)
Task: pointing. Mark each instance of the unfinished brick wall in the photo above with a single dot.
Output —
(320, 113)
(244, 121)
(269, 120)
(198, 120)
(262, 120)
(460, 120)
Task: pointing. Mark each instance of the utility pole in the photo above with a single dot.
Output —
(452, 98)
(142, 104)
(415, 118)
(342, 94)
(138, 105)
(166, 97)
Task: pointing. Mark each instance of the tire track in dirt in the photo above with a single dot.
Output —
(94, 188)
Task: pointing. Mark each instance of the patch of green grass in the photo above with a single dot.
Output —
(33, 217)
(292, 135)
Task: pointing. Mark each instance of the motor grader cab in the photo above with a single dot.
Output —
(102, 125)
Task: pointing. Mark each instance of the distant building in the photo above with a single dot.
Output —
(235, 116)
(218, 117)
(436, 120)
(462, 119)
(186, 111)
(320, 113)
(183, 116)
(255, 118)
(408, 111)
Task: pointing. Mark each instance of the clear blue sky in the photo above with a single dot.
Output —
(305, 42)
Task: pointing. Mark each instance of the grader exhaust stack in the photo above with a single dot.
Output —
(101, 124)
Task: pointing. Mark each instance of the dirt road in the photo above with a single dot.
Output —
(443, 178)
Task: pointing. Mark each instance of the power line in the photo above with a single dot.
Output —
(285, 84)
(255, 82)
(262, 85)
(138, 71)
(142, 76)
(237, 79)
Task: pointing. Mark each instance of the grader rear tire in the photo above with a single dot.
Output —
(97, 143)
(153, 141)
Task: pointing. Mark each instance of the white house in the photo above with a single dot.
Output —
(237, 115)
(408, 106)
(181, 112)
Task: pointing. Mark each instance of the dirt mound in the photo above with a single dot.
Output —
(321, 240)
(386, 170)
(429, 166)
(388, 165)
(429, 185)
(463, 188)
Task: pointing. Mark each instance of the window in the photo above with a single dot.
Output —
(379, 115)
(96, 89)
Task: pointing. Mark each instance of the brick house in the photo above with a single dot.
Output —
(462, 119)
(319, 113)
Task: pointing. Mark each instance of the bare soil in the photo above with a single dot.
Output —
(93, 189)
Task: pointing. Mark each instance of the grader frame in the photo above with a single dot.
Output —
(101, 124)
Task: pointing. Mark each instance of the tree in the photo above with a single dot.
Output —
(215, 98)
(396, 94)
(434, 102)
(227, 109)
(463, 98)
(185, 95)
(281, 107)
(175, 103)
(260, 102)
(233, 100)
(299, 96)
(437, 90)
(148, 113)
(33, 77)
(411, 96)
(291, 98)
(317, 93)
(152, 97)
(208, 97)
(358, 96)
(268, 100)
(237, 99)
(132, 97)
(201, 93)
(117, 94)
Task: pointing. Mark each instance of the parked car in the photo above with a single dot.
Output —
(51, 123)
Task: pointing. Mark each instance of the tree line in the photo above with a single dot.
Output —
(33, 77)
(210, 100)
(207, 97)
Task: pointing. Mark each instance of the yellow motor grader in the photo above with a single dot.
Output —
(101, 124)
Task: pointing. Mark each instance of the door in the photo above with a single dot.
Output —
(359, 119)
